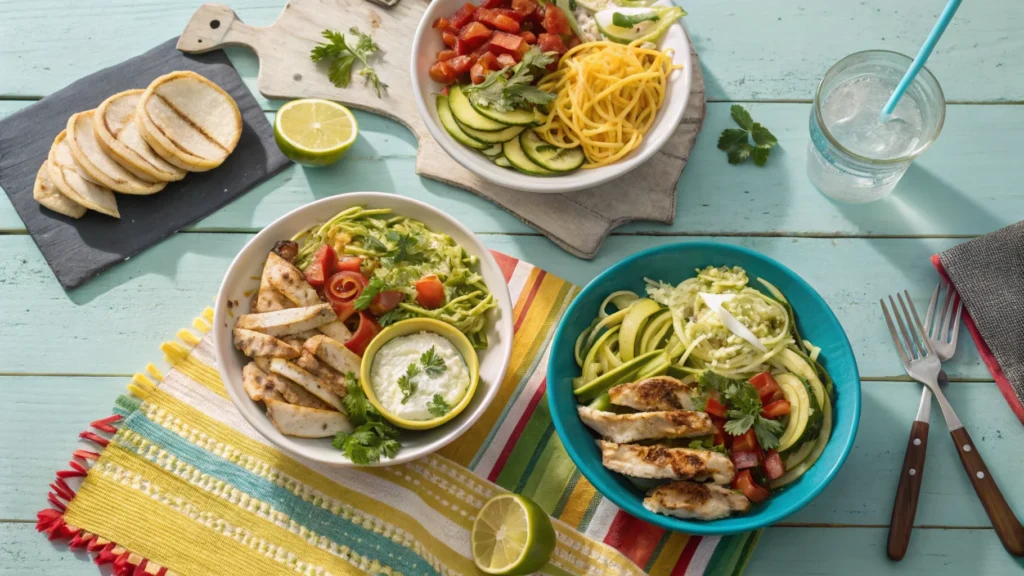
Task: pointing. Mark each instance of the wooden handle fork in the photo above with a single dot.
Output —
(1004, 521)
(905, 507)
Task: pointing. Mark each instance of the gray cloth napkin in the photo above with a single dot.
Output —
(988, 272)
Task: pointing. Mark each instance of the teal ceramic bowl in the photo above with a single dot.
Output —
(674, 263)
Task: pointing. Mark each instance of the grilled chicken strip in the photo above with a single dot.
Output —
(661, 462)
(647, 425)
(658, 393)
(693, 500)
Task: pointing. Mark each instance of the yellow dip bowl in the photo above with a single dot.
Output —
(413, 326)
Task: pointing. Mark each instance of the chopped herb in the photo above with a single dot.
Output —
(438, 407)
(623, 21)
(370, 291)
(390, 317)
(341, 56)
(373, 438)
(736, 145)
(371, 243)
(433, 364)
(406, 382)
(512, 87)
(404, 244)
(744, 408)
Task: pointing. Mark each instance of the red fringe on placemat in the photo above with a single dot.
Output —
(51, 520)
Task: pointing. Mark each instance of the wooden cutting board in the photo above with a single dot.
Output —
(576, 221)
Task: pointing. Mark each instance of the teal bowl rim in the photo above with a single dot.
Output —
(633, 505)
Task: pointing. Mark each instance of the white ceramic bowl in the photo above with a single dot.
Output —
(243, 277)
(425, 47)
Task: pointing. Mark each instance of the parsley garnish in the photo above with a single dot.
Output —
(342, 56)
(623, 21)
(370, 291)
(504, 93)
(735, 143)
(371, 243)
(433, 364)
(406, 383)
(437, 406)
(373, 438)
(388, 318)
(744, 409)
(403, 246)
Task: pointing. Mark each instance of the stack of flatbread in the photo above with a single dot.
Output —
(136, 142)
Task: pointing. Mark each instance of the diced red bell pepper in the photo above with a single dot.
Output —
(430, 292)
(449, 39)
(497, 20)
(506, 60)
(714, 407)
(551, 42)
(744, 482)
(446, 55)
(495, 4)
(743, 460)
(504, 43)
(776, 409)
(463, 15)
(528, 37)
(746, 442)
(462, 64)
(441, 23)
(324, 261)
(477, 73)
(524, 7)
(474, 34)
(773, 465)
(489, 61)
(443, 73)
(555, 21)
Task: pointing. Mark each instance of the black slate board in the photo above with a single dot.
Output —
(78, 250)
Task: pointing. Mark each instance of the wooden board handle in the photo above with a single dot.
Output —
(1005, 523)
(215, 26)
(904, 509)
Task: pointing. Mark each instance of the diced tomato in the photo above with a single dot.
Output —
(551, 42)
(746, 442)
(463, 15)
(315, 274)
(443, 73)
(743, 460)
(496, 19)
(495, 4)
(721, 438)
(489, 62)
(510, 13)
(368, 328)
(773, 465)
(342, 289)
(776, 409)
(463, 48)
(385, 302)
(441, 24)
(524, 7)
(449, 39)
(715, 408)
(444, 55)
(555, 21)
(504, 43)
(352, 264)
(506, 60)
(462, 64)
(473, 34)
(764, 379)
(744, 482)
(528, 37)
(430, 292)
(324, 261)
(477, 74)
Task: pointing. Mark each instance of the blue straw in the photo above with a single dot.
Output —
(922, 57)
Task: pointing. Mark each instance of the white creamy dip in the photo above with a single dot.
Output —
(392, 361)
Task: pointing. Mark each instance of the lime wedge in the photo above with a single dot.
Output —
(512, 536)
(315, 132)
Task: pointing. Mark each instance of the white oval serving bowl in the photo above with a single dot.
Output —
(243, 277)
(425, 47)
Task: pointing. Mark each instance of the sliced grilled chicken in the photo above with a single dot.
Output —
(306, 422)
(292, 392)
(658, 393)
(661, 462)
(647, 425)
(254, 344)
(256, 384)
(331, 380)
(303, 378)
(284, 277)
(693, 500)
(268, 298)
(289, 321)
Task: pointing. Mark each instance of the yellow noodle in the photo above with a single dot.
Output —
(608, 96)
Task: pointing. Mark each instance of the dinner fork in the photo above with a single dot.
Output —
(942, 335)
(922, 364)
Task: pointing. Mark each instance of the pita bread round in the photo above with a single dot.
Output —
(67, 177)
(47, 194)
(97, 164)
(118, 134)
(190, 121)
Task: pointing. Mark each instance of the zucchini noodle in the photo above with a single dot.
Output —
(607, 98)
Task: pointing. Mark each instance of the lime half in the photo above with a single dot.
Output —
(315, 132)
(512, 535)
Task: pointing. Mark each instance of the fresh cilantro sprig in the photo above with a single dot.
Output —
(406, 382)
(625, 21)
(341, 56)
(512, 87)
(735, 142)
(438, 407)
(373, 437)
(370, 291)
(432, 363)
(744, 411)
(404, 246)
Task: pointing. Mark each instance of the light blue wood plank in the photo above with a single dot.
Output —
(959, 187)
(117, 320)
(750, 49)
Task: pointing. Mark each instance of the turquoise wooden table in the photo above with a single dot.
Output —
(65, 356)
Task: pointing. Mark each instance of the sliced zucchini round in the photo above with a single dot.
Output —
(549, 156)
(503, 162)
(493, 137)
(517, 117)
(464, 112)
(444, 112)
(661, 18)
(514, 154)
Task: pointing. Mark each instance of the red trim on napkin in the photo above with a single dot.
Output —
(986, 354)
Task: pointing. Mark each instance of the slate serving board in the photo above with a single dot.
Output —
(77, 250)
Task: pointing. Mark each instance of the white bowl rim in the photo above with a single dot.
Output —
(223, 342)
(572, 181)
